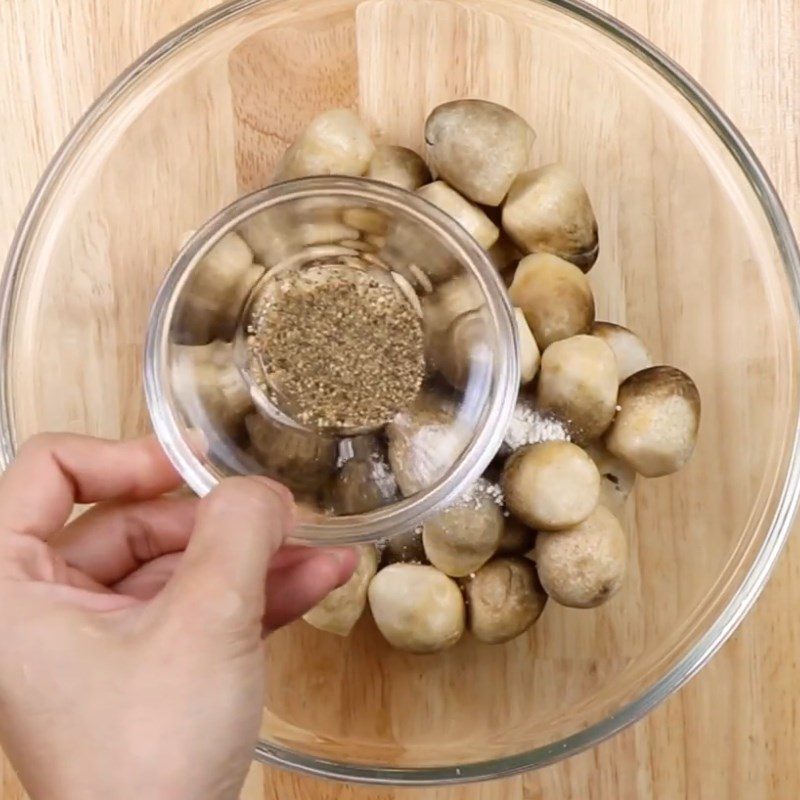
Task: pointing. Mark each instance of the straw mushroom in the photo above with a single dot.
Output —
(399, 166)
(629, 350)
(517, 539)
(417, 608)
(656, 427)
(551, 485)
(405, 547)
(555, 297)
(343, 607)
(478, 147)
(461, 538)
(216, 291)
(270, 234)
(333, 143)
(616, 477)
(469, 216)
(578, 383)
(424, 441)
(528, 349)
(504, 598)
(585, 565)
(303, 461)
(548, 211)
(210, 386)
(366, 220)
(462, 349)
(450, 300)
(364, 482)
(504, 254)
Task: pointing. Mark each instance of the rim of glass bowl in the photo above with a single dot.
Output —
(496, 400)
(755, 579)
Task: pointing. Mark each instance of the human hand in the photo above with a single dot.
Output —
(130, 668)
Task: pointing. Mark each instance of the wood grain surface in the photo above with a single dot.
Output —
(734, 731)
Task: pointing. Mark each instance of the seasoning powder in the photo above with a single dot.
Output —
(337, 347)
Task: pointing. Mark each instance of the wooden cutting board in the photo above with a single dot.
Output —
(57, 56)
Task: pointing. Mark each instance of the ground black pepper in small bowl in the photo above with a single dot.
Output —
(336, 347)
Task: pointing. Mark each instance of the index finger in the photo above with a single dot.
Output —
(54, 471)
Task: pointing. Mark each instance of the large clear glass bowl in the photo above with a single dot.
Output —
(696, 255)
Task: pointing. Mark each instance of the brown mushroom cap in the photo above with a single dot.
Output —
(504, 598)
(629, 350)
(578, 383)
(343, 607)
(585, 565)
(549, 211)
(478, 147)
(417, 608)
(551, 485)
(659, 416)
(399, 166)
(555, 297)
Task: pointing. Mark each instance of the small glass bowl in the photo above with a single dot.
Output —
(196, 375)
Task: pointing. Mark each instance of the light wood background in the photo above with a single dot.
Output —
(734, 732)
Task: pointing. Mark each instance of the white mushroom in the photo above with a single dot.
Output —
(548, 211)
(555, 297)
(629, 350)
(551, 485)
(504, 598)
(585, 565)
(333, 143)
(578, 383)
(478, 147)
(417, 608)
(343, 607)
(399, 166)
(659, 415)
(469, 216)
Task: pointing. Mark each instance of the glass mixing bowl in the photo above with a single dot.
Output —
(696, 255)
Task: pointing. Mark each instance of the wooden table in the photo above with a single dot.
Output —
(734, 732)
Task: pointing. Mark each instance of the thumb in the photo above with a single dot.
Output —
(239, 526)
